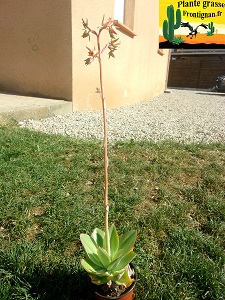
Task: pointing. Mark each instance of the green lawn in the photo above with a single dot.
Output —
(51, 191)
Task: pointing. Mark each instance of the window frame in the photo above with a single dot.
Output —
(128, 9)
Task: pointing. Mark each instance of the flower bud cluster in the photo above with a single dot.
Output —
(112, 46)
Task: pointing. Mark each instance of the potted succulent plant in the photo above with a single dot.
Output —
(108, 255)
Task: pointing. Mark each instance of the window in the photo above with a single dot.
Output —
(119, 10)
(124, 14)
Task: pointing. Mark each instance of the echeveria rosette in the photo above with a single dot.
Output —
(104, 267)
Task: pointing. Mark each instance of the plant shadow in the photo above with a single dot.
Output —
(61, 285)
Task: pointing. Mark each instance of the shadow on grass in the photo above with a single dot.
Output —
(59, 284)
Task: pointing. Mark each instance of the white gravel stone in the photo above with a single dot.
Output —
(183, 115)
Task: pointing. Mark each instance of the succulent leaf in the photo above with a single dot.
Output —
(91, 267)
(121, 262)
(111, 267)
(98, 236)
(104, 257)
(90, 248)
(127, 241)
(98, 280)
(125, 261)
(125, 279)
(114, 240)
(89, 244)
(118, 254)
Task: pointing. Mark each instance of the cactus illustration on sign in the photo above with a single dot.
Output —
(169, 26)
(212, 29)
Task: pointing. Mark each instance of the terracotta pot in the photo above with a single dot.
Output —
(127, 295)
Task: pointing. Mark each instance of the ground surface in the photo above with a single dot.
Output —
(182, 115)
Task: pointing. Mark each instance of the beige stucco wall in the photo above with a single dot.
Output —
(42, 53)
(36, 48)
(137, 73)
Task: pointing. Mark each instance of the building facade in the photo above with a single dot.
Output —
(42, 52)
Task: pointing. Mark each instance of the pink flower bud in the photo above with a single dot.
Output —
(108, 23)
(112, 30)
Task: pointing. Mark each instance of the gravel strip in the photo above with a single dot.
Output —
(184, 116)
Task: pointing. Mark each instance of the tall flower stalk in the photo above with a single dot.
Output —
(92, 54)
(108, 255)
